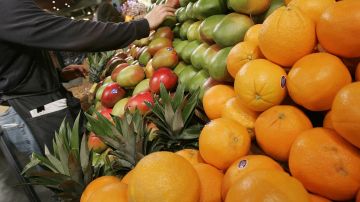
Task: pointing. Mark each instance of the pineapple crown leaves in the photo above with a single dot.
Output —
(174, 117)
(97, 62)
(69, 169)
(127, 137)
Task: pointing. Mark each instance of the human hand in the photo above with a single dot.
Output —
(72, 72)
(157, 15)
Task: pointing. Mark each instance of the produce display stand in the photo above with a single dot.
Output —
(222, 100)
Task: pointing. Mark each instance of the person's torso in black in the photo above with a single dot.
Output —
(26, 71)
(27, 32)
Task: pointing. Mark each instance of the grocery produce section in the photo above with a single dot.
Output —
(229, 100)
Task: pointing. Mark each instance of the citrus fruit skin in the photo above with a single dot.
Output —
(192, 155)
(222, 141)
(357, 73)
(267, 185)
(241, 54)
(215, 98)
(315, 79)
(109, 193)
(177, 177)
(237, 112)
(316, 198)
(312, 8)
(280, 126)
(259, 93)
(327, 123)
(338, 29)
(210, 180)
(96, 186)
(252, 35)
(287, 35)
(326, 164)
(244, 166)
(345, 113)
(128, 177)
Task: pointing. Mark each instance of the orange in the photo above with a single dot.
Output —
(277, 128)
(237, 112)
(222, 141)
(316, 198)
(357, 73)
(315, 79)
(312, 8)
(338, 29)
(267, 185)
(244, 166)
(128, 177)
(192, 155)
(97, 186)
(164, 176)
(287, 35)
(252, 35)
(240, 54)
(358, 196)
(346, 113)
(260, 84)
(109, 193)
(215, 98)
(327, 123)
(210, 181)
(326, 164)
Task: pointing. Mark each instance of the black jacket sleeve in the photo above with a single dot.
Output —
(22, 22)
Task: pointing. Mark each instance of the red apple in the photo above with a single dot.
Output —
(96, 144)
(112, 93)
(165, 76)
(117, 70)
(138, 102)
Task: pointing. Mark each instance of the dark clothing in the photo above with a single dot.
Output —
(25, 30)
(28, 79)
(108, 13)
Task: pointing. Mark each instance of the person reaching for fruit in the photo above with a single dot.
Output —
(158, 14)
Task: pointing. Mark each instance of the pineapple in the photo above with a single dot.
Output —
(178, 119)
(97, 63)
(127, 138)
(69, 169)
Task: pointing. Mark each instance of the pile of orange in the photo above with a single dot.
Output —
(261, 143)
(280, 73)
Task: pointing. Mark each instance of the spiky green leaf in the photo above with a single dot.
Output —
(54, 161)
(75, 137)
(164, 94)
(178, 97)
(75, 167)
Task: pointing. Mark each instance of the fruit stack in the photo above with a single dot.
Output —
(279, 82)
